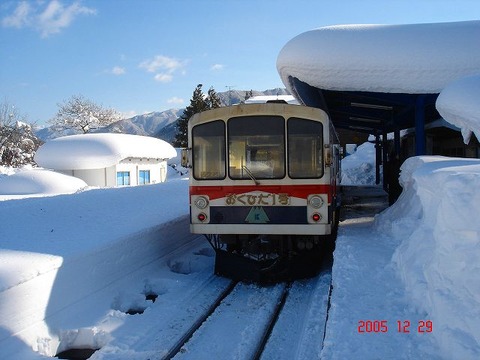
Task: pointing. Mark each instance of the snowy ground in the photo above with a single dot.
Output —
(73, 265)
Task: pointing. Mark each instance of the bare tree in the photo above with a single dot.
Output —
(17, 141)
(82, 115)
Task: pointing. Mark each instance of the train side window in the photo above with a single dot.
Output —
(305, 149)
(256, 147)
(208, 142)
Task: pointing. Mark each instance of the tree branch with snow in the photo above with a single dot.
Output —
(82, 115)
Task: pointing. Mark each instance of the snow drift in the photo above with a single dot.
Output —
(38, 182)
(436, 221)
(458, 104)
(359, 168)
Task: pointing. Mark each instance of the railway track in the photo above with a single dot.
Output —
(249, 321)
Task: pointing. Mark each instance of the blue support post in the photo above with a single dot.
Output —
(385, 159)
(378, 158)
(396, 140)
(420, 147)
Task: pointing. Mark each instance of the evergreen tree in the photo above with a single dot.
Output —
(213, 100)
(248, 95)
(198, 103)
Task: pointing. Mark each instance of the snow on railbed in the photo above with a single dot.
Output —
(436, 223)
(57, 250)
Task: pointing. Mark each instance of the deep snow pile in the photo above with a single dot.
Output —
(411, 58)
(436, 222)
(368, 298)
(458, 104)
(87, 240)
(38, 182)
(359, 168)
(58, 249)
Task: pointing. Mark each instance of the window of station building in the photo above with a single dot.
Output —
(209, 151)
(143, 177)
(256, 147)
(123, 178)
(305, 148)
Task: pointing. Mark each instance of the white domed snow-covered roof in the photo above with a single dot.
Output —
(96, 151)
(38, 182)
(413, 58)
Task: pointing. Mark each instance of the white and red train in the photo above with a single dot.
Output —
(263, 187)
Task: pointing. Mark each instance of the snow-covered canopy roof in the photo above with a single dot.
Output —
(95, 151)
(372, 77)
(417, 58)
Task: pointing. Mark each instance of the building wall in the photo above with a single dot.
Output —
(93, 177)
(107, 177)
(157, 168)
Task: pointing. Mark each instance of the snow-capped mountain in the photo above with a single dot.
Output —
(146, 124)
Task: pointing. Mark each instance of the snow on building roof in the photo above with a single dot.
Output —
(95, 151)
(39, 182)
(416, 58)
(459, 104)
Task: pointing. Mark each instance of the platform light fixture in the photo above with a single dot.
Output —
(376, 121)
(371, 106)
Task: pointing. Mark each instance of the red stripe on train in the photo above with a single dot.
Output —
(299, 191)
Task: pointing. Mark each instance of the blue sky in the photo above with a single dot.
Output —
(139, 56)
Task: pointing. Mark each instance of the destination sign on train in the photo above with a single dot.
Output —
(257, 198)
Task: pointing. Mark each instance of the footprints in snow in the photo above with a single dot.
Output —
(134, 304)
(82, 343)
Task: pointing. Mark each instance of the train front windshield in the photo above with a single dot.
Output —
(256, 147)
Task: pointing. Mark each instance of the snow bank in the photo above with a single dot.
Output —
(359, 167)
(458, 104)
(6, 170)
(96, 151)
(416, 58)
(436, 220)
(57, 251)
(38, 182)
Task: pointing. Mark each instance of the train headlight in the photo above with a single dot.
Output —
(316, 217)
(315, 201)
(201, 202)
(199, 209)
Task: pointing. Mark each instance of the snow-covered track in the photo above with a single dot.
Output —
(236, 327)
(272, 322)
(249, 321)
(299, 330)
(198, 323)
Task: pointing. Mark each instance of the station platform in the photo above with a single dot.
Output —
(362, 201)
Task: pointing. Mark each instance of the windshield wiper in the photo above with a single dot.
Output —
(250, 175)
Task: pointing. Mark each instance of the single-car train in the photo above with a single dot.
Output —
(263, 187)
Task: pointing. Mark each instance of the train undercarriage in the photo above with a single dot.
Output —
(270, 258)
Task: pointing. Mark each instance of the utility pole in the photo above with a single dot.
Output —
(230, 87)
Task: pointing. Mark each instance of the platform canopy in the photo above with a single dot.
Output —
(379, 78)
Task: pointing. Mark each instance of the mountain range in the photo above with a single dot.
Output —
(161, 124)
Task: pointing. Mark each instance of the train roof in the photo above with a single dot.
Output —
(270, 108)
